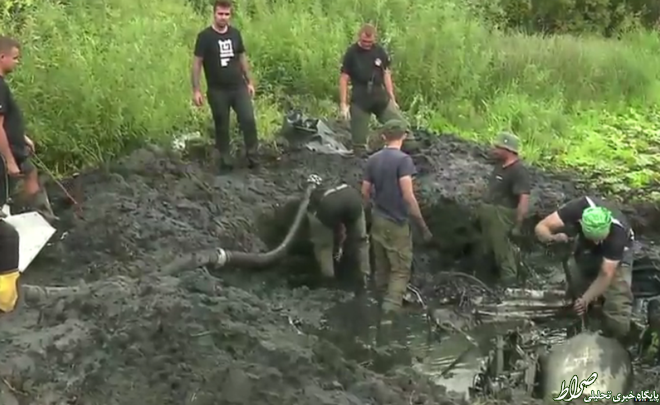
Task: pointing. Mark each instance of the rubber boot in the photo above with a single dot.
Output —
(40, 203)
(252, 159)
(225, 162)
(9, 290)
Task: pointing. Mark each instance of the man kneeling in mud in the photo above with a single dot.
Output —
(603, 257)
(337, 214)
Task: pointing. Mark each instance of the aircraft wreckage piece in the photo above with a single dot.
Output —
(584, 365)
(519, 303)
(114, 287)
(220, 257)
(34, 232)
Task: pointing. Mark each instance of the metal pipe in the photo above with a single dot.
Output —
(525, 293)
(220, 257)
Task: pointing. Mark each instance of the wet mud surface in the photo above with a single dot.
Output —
(122, 332)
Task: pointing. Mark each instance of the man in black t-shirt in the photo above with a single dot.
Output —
(15, 147)
(602, 260)
(505, 207)
(366, 65)
(336, 213)
(220, 50)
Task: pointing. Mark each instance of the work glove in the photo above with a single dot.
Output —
(339, 254)
(345, 112)
(516, 232)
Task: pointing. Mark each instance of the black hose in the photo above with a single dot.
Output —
(268, 258)
(219, 257)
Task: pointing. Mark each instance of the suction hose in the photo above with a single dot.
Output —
(220, 257)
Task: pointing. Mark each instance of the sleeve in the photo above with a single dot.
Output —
(571, 212)
(407, 167)
(346, 62)
(615, 245)
(200, 44)
(240, 45)
(369, 171)
(522, 184)
(4, 98)
(387, 60)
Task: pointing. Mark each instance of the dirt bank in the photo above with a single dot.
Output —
(131, 335)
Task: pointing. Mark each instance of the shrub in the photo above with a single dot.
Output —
(100, 77)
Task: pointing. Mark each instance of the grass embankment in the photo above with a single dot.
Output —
(99, 77)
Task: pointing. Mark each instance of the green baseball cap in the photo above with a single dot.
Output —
(394, 126)
(508, 141)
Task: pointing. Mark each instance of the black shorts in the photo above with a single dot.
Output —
(7, 183)
(9, 247)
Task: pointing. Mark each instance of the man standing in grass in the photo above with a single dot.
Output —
(389, 175)
(366, 65)
(220, 50)
(15, 147)
(505, 206)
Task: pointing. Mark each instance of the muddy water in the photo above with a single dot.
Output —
(450, 353)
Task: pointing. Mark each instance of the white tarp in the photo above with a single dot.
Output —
(34, 231)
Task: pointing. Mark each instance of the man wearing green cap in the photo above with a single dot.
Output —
(505, 206)
(388, 184)
(602, 260)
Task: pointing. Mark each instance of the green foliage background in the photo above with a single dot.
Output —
(578, 80)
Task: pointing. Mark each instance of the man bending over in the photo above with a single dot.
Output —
(602, 260)
(336, 213)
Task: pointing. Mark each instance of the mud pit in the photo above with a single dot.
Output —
(129, 334)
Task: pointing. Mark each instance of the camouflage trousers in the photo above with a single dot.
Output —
(323, 239)
(393, 255)
(613, 316)
(496, 224)
(360, 119)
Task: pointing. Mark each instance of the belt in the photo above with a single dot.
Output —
(334, 190)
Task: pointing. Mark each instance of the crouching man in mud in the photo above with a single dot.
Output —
(337, 214)
(220, 50)
(505, 207)
(366, 65)
(15, 147)
(389, 175)
(602, 261)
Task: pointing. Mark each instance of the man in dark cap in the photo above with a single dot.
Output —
(388, 184)
(505, 206)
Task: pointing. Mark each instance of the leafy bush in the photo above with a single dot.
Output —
(103, 76)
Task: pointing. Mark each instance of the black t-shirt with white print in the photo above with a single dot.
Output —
(220, 57)
(619, 239)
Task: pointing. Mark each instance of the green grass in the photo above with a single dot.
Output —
(100, 77)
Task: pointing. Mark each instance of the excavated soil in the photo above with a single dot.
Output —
(126, 334)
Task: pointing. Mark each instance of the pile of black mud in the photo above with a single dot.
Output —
(124, 334)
